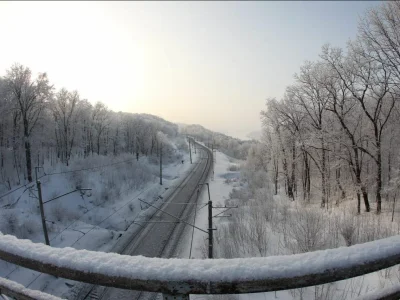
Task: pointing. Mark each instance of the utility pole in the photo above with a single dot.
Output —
(41, 203)
(160, 163)
(210, 225)
(210, 217)
(212, 151)
(212, 161)
(210, 228)
(394, 204)
(39, 187)
(190, 151)
(136, 148)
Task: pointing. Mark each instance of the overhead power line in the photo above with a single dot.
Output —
(87, 169)
(14, 190)
(65, 172)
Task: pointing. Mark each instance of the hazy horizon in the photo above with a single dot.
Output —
(207, 63)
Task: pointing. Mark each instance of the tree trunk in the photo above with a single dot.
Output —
(1, 147)
(306, 177)
(98, 144)
(58, 146)
(379, 179)
(293, 176)
(289, 187)
(309, 180)
(343, 193)
(276, 174)
(14, 143)
(365, 197)
(323, 175)
(66, 144)
(27, 150)
(361, 185)
(389, 168)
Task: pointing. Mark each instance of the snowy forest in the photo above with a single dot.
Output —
(326, 173)
(335, 133)
(39, 123)
(92, 163)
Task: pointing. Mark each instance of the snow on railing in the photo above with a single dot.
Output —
(18, 291)
(197, 276)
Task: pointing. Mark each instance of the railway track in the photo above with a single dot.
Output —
(158, 239)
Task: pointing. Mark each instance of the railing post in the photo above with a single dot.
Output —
(176, 297)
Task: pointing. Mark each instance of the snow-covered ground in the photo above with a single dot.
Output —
(233, 269)
(220, 187)
(224, 178)
(221, 184)
(96, 220)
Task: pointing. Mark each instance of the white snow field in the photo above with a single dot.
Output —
(96, 220)
(196, 268)
(223, 183)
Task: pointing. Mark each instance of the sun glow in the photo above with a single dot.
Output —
(78, 46)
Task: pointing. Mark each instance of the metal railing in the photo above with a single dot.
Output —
(18, 291)
(180, 277)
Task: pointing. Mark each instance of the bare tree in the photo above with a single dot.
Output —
(100, 119)
(64, 108)
(271, 118)
(369, 83)
(30, 97)
(378, 31)
(350, 117)
(271, 146)
(309, 96)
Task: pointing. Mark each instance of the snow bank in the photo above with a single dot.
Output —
(216, 270)
(20, 289)
(394, 290)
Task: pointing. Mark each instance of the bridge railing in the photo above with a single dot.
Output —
(178, 278)
(12, 289)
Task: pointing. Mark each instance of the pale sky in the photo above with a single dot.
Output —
(208, 63)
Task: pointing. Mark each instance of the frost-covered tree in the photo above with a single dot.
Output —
(29, 97)
(38, 125)
(65, 108)
(100, 122)
(338, 122)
